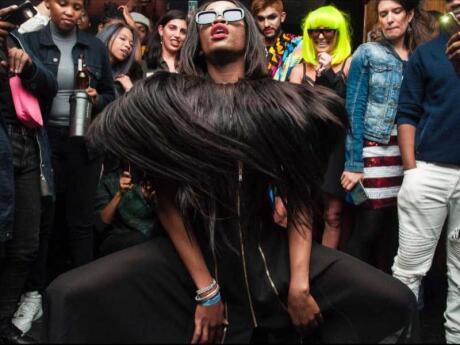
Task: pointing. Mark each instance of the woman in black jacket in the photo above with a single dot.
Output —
(76, 165)
(25, 176)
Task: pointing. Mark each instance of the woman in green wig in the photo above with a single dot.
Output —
(326, 50)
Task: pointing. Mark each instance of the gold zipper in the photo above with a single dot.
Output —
(272, 283)
(238, 202)
(225, 327)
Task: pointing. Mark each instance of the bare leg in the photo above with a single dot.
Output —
(333, 222)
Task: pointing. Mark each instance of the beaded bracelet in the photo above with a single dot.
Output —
(207, 288)
(214, 300)
(209, 295)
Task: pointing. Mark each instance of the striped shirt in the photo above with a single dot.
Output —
(383, 172)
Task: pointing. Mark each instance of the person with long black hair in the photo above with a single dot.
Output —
(214, 142)
(165, 43)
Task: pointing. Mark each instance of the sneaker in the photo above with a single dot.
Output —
(29, 310)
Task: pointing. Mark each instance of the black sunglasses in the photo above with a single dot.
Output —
(230, 15)
(327, 33)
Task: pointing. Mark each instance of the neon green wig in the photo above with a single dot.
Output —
(331, 18)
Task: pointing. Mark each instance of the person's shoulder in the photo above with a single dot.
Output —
(91, 40)
(371, 47)
(433, 44)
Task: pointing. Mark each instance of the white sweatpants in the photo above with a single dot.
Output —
(430, 195)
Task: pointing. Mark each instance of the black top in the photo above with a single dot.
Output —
(334, 81)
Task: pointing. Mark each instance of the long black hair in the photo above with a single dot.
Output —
(193, 61)
(193, 133)
(154, 48)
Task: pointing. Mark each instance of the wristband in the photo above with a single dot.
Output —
(214, 300)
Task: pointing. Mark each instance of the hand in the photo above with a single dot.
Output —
(148, 191)
(5, 27)
(324, 63)
(93, 94)
(303, 309)
(125, 81)
(350, 179)
(125, 182)
(127, 15)
(18, 59)
(453, 47)
(210, 323)
(280, 213)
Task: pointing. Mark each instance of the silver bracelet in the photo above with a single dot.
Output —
(212, 294)
(207, 288)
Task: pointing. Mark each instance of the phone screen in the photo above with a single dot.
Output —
(358, 194)
(450, 23)
(21, 14)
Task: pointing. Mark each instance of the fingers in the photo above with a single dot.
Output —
(453, 50)
(6, 10)
(205, 334)
(17, 60)
(197, 333)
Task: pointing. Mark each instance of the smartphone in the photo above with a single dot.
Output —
(450, 23)
(358, 194)
(21, 14)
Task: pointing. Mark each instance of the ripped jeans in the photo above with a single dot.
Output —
(430, 196)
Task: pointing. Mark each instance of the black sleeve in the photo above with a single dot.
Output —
(105, 87)
(36, 78)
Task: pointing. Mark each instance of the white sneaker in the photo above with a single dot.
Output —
(29, 310)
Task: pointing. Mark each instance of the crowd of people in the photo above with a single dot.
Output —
(223, 156)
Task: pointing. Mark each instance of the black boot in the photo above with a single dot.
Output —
(9, 334)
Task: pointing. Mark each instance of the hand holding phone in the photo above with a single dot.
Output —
(20, 14)
(451, 25)
(358, 194)
(5, 26)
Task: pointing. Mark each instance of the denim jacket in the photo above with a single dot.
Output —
(373, 88)
(43, 85)
(96, 58)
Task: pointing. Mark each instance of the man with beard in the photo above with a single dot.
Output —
(270, 15)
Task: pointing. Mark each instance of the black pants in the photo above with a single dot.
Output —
(38, 277)
(76, 179)
(144, 294)
(21, 251)
(375, 237)
(115, 242)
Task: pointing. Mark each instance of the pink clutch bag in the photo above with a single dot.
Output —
(26, 105)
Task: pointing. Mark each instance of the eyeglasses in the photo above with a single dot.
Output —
(208, 17)
(327, 33)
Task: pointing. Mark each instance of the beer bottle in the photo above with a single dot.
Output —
(82, 76)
